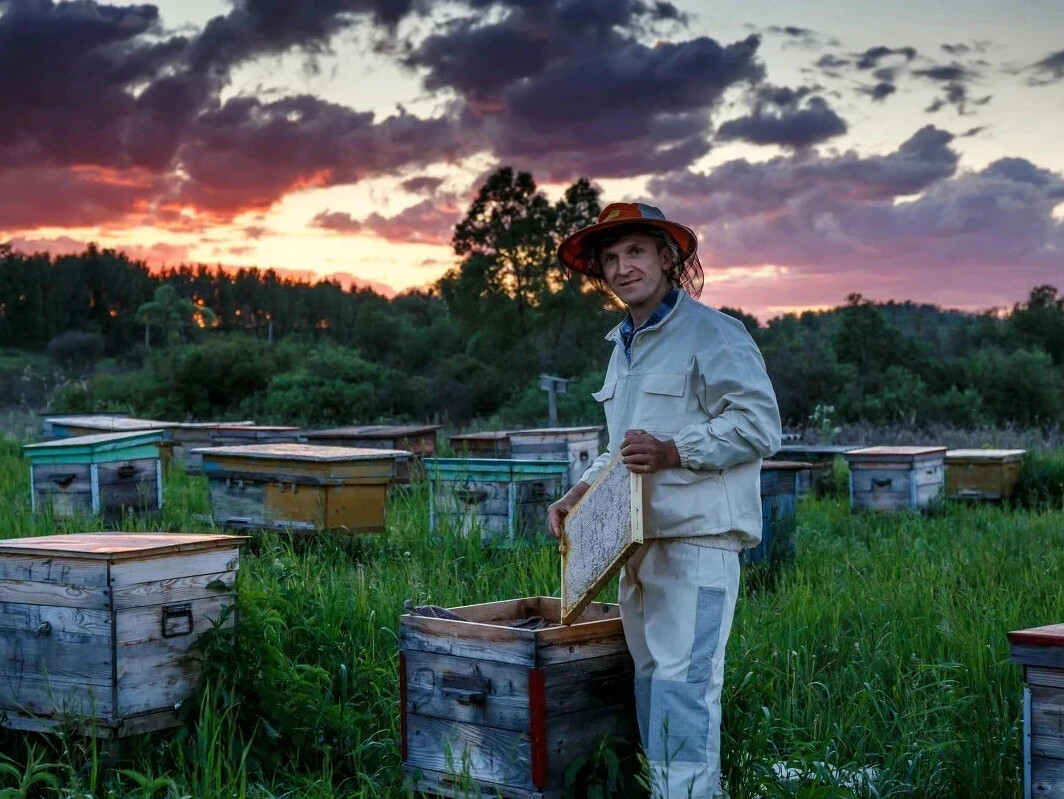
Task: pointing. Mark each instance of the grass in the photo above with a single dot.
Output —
(875, 664)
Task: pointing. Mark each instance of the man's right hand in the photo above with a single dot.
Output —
(557, 511)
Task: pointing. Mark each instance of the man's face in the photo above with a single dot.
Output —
(635, 269)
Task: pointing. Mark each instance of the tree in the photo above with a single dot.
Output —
(172, 313)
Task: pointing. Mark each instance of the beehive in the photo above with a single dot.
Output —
(780, 481)
(75, 425)
(986, 474)
(110, 474)
(896, 478)
(98, 629)
(1040, 650)
(512, 708)
(577, 445)
(504, 499)
(186, 437)
(299, 487)
(819, 457)
(494, 444)
(417, 439)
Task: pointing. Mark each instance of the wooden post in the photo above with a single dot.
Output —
(553, 386)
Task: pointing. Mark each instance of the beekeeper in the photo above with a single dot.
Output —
(689, 405)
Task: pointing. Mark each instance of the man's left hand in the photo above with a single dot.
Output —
(644, 454)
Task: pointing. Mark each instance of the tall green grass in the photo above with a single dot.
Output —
(881, 646)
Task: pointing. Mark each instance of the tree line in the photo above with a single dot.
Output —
(201, 342)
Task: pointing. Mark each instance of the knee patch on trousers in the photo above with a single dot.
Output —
(679, 722)
(708, 617)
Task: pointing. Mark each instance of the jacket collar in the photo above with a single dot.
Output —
(615, 334)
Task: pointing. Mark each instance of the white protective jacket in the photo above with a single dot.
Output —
(697, 378)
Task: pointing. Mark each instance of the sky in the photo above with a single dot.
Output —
(906, 151)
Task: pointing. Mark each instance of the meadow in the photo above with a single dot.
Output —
(875, 664)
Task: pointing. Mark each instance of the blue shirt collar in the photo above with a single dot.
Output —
(628, 328)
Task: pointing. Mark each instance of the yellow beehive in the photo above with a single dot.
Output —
(983, 473)
(300, 486)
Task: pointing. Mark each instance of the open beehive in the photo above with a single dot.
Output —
(504, 709)
(98, 629)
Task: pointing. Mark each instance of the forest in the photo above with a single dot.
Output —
(97, 331)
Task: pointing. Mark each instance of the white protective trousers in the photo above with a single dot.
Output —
(677, 602)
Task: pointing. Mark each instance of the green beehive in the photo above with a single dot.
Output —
(110, 474)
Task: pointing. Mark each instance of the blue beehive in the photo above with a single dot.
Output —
(780, 481)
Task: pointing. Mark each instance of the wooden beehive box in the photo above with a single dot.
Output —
(896, 478)
(505, 500)
(780, 483)
(512, 708)
(110, 474)
(495, 444)
(577, 445)
(417, 439)
(983, 473)
(98, 629)
(186, 437)
(1040, 650)
(77, 425)
(299, 487)
(819, 457)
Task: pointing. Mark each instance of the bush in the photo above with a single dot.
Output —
(76, 351)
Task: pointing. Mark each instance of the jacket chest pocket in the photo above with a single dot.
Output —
(662, 401)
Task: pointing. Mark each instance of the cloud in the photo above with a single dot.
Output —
(786, 125)
(1048, 70)
(430, 221)
(336, 221)
(573, 88)
(879, 91)
(909, 213)
(158, 254)
(831, 64)
(422, 184)
(55, 196)
(955, 79)
(871, 57)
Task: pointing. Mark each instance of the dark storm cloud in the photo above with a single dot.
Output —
(871, 57)
(247, 154)
(828, 214)
(573, 89)
(1048, 70)
(788, 126)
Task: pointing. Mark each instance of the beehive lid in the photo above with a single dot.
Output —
(491, 435)
(374, 431)
(115, 546)
(541, 431)
(887, 453)
(985, 454)
(230, 427)
(108, 423)
(312, 453)
(783, 466)
(816, 449)
(105, 446)
(492, 469)
(210, 425)
(1049, 635)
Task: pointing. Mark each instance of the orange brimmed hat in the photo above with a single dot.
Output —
(576, 254)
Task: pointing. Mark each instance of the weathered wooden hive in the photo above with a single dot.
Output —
(505, 500)
(505, 707)
(225, 435)
(1040, 650)
(577, 445)
(76, 425)
(299, 487)
(417, 439)
(186, 437)
(819, 457)
(896, 478)
(110, 474)
(98, 629)
(780, 481)
(987, 474)
(492, 444)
